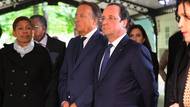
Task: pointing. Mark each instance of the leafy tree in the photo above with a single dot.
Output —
(60, 18)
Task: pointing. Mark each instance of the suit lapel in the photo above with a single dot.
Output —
(117, 52)
(74, 50)
(48, 42)
(179, 57)
(88, 48)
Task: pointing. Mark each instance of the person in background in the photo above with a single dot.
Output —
(124, 74)
(76, 74)
(138, 34)
(178, 85)
(55, 47)
(25, 69)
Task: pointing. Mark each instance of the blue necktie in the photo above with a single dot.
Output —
(105, 60)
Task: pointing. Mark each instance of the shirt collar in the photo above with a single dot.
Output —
(88, 36)
(43, 42)
(116, 42)
(24, 50)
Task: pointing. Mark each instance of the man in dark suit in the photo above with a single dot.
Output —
(76, 74)
(55, 47)
(128, 79)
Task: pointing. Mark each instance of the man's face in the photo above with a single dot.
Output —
(111, 21)
(84, 21)
(23, 32)
(39, 29)
(184, 22)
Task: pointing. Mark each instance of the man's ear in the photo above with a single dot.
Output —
(125, 23)
(14, 33)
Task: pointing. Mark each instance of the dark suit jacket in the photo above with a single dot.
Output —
(129, 80)
(176, 82)
(176, 44)
(76, 77)
(56, 49)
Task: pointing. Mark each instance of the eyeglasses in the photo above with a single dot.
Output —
(36, 26)
(110, 18)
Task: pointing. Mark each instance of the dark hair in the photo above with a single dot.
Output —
(124, 14)
(146, 42)
(18, 19)
(41, 18)
(183, 2)
(96, 12)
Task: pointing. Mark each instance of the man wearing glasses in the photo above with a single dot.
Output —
(124, 74)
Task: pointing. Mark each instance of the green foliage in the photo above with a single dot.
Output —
(60, 18)
(6, 20)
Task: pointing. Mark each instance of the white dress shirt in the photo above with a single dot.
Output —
(114, 43)
(88, 36)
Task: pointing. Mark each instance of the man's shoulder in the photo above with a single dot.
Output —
(99, 37)
(55, 41)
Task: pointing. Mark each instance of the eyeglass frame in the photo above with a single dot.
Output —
(110, 18)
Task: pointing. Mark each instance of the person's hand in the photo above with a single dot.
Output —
(175, 105)
(73, 105)
(65, 104)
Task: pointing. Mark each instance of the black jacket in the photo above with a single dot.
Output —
(24, 81)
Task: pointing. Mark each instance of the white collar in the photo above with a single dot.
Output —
(116, 42)
(23, 50)
(88, 36)
(43, 42)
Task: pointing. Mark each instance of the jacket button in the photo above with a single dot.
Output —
(25, 84)
(11, 83)
(23, 95)
(26, 72)
(10, 94)
(13, 71)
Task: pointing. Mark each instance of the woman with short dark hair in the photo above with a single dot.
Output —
(25, 69)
